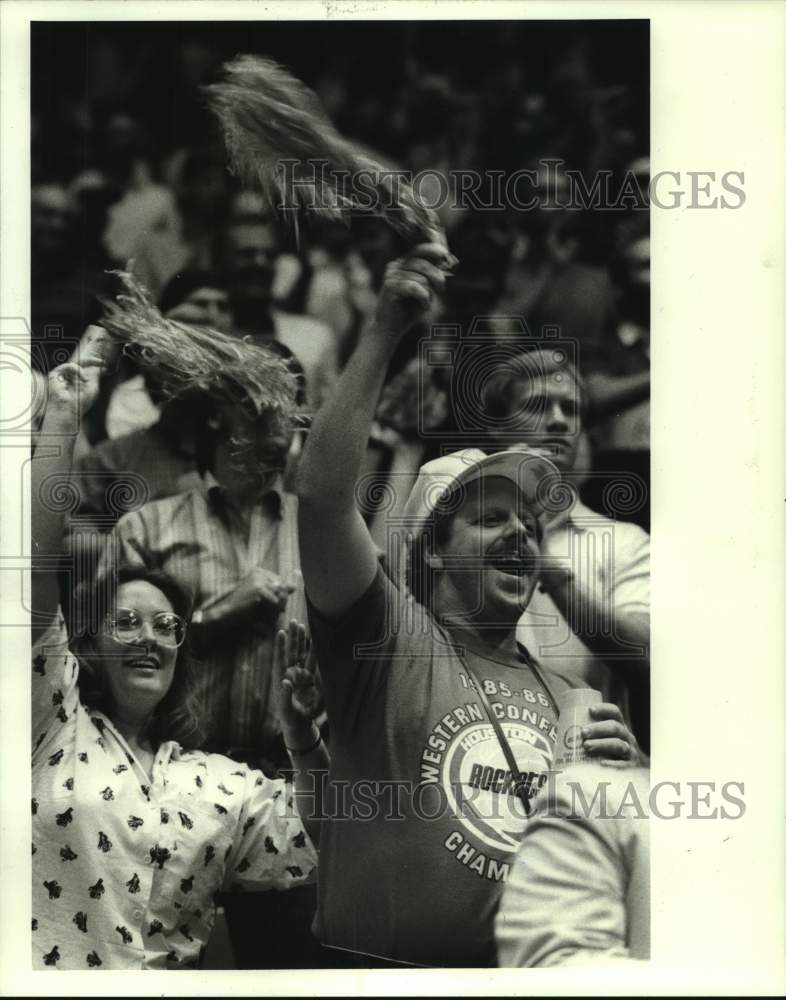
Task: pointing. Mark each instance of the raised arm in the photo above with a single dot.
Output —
(72, 387)
(611, 394)
(299, 701)
(338, 557)
(612, 621)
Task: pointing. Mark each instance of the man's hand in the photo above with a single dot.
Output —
(295, 673)
(608, 737)
(299, 699)
(259, 594)
(253, 604)
(410, 285)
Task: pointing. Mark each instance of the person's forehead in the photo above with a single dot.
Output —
(207, 293)
(141, 595)
(550, 385)
(638, 251)
(497, 490)
(51, 198)
(252, 234)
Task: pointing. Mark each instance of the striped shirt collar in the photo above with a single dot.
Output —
(216, 495)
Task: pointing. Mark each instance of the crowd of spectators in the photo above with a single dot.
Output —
(129, 172)
(128, 164)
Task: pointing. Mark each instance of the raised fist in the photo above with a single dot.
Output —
(410, 284)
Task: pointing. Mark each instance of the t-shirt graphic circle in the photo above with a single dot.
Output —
(493, 814)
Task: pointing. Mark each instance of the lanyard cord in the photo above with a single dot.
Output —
(502, 739)
(495, 724)
(530, 661)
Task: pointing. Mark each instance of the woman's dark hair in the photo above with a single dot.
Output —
(178, 715)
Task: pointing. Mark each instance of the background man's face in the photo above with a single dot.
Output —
(636, 290)
(637, 260)
(545, 414)
(51, 220)
(252, 251)
(205, 307)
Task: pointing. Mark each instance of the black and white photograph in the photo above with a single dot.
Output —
(342, 494)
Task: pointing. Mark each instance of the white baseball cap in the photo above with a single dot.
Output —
(536, 477)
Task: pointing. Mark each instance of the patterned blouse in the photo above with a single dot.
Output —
(126, 867)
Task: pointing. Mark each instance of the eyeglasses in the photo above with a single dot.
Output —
(126, 625)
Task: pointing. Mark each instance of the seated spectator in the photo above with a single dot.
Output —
(63, 285)
(199, 297)
(144, 225)
(590, 614)
(251, 248)
(155, 455)
(324, 290)
(196, 297)
(550, 284)
(618, 380)
(579, 889)
(484, 245)
(159, 460)
(201, 183)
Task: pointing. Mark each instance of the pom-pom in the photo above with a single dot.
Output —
(186, 359)
(280, 140)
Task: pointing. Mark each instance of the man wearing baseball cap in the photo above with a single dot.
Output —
(442, 729)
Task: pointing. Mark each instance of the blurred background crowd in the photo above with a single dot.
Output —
(128, 164)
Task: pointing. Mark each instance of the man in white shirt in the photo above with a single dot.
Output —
(251, 250)
(590, 614)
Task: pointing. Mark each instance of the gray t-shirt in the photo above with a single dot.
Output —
(425, 814)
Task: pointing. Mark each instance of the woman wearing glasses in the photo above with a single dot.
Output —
(134, 828)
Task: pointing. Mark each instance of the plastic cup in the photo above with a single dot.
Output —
(573, 717)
